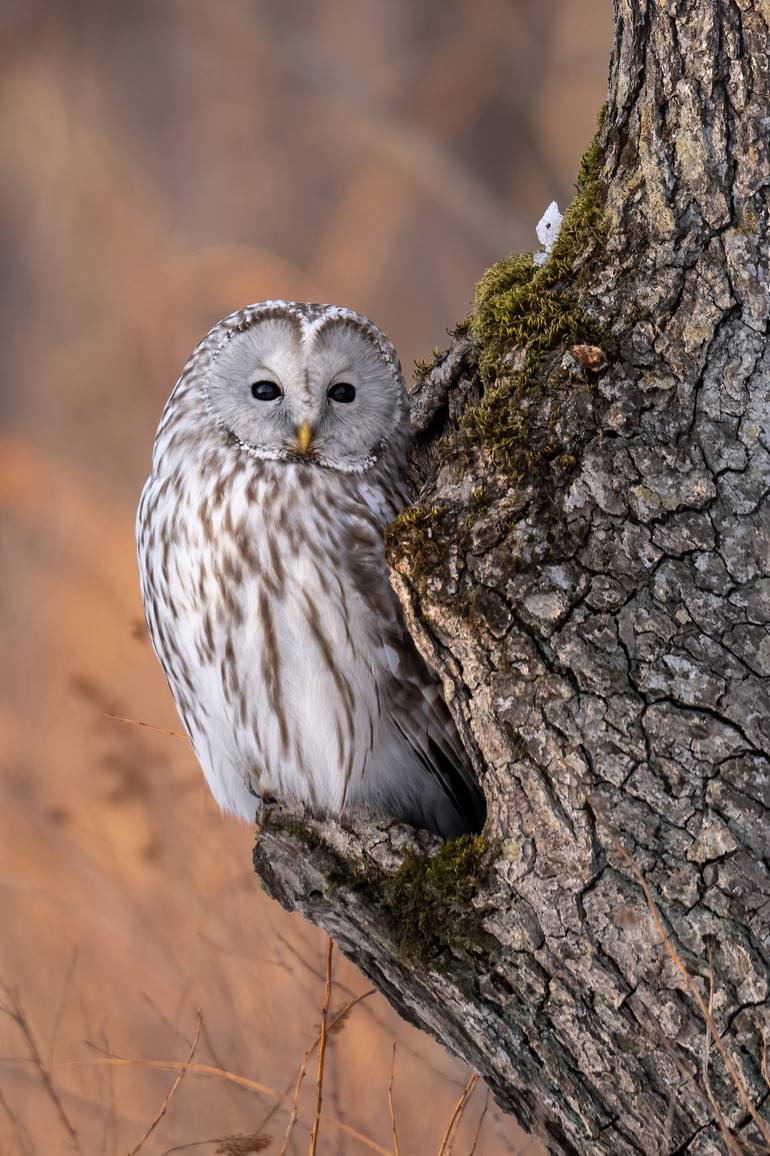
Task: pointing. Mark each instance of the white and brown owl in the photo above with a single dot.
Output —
(279, 459)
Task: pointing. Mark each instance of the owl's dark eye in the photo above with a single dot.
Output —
(341, 391)
(265, 390)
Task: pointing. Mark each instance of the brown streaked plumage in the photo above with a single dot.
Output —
(279, 459)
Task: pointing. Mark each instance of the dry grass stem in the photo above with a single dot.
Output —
(22, 1135)
(340, 1018)
(730, 1145)
(135, 722)
(110, 1115)
(319, 1081)
(337, 1023)
(14, 1009)
(60, 1007)
(676, 959)
(172, 1090)
(396, 1148)
(176, 1066)
(456, 1116)
(480, 1125)
(295, 1101)
(195, 1069)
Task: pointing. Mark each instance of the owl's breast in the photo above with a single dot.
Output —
(265, 622)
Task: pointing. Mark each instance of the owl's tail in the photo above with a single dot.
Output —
(451, 802)
(440, 793)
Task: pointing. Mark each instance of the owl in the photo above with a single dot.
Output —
(279, 459)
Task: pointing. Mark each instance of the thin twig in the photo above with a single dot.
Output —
(190, 1144)
(396, 1148)
(172, 1090)
(337, 1021)
(60, 1007)
(196, 1069)
(459, 1108)
(109, 1116)
(380, 1021)
(319, 1080)
(480, 1124)
(135, 722)
(295, 1101)
(176, 1066)
(693, 992)
(725, 1131)
(22, 1134)
(14, 1009)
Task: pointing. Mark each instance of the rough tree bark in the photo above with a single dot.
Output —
(594, 589)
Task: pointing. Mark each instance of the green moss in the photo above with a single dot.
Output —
(427, 904)
(423, 365)
(523, 312)
(416, 537)
(429, 901)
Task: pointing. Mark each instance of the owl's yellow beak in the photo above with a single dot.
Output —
(304, 437)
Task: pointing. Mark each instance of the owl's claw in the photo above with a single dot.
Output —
(264, 798)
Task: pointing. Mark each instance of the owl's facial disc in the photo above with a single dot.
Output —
(326, 395)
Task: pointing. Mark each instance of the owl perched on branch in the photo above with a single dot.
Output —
(279, 459)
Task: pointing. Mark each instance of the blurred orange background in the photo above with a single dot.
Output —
(163, 164)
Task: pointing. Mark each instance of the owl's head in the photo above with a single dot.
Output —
(315, 383)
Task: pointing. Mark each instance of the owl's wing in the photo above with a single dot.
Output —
(413, 705)
(422, 717)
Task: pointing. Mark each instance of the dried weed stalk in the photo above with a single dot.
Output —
(396, 1147)
(456, 1116)
(480, 1125)
(196, 1069)
(12, 1007)
(172, 1090)
(319, 1081)
(336, 1025)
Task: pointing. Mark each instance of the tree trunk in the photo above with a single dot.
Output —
(587, 566)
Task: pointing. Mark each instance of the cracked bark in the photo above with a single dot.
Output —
(603, 635)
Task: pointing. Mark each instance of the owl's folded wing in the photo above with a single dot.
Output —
(422, 717)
